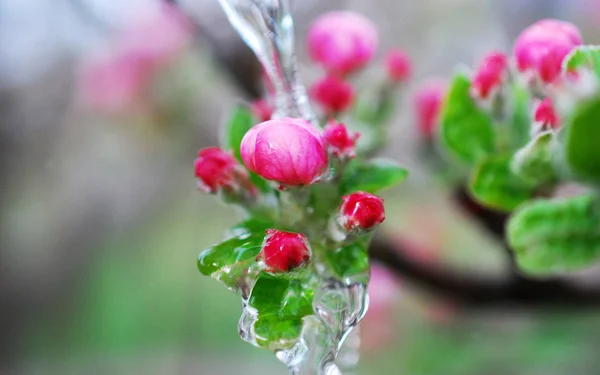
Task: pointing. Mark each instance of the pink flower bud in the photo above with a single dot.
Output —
(262, 109)
(428, 103)
(545, 115)
(339, 141)
(490, 75)
(342, 41)
(284, 251)
(541, 48)
(289, 151)
(332, 94)
(215, 169)
(361, 212)
(398, 65)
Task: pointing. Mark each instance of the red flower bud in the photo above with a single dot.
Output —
(215, 169)
(398, 65)
(361, 212)
(490, 75)
(284, 251)
(339, 141)
(428, 103)
(545, 115)
(332, 94)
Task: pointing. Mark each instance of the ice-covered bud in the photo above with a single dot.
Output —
(398, 65)
(332, 94)
(284, 251)
(342, 41)
(544, 115)
(262, 109)
(340, 142)
(217, 169)
(288, 150)
(541, 48)
(428, 103)
(490, 75)
(361, 212)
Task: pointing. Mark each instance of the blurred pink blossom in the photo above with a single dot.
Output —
(114, 80)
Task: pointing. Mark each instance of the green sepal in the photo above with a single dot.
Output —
(494, 185)
(466, 131)
(350, 261)
(551, 236)
(534, 163)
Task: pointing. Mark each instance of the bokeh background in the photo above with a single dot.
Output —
(103, 105)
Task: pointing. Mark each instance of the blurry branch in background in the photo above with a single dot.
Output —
(479, 291)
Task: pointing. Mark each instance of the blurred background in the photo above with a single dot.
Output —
(103, 105)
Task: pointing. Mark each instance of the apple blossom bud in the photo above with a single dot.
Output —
(398, 65)
(287, 150)
(361, 212)
(262, 109)
(340, 142)
(490, 75)
(284, 251)
(217, 169)
(545, 116)
(332, 94)
(541, 48)
(428, 103)
(342, 41)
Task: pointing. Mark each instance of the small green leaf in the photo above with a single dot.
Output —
(239, 123)
(583, 57)
(520, 119)
(556, 236)
(582, 141)
(280, 304)
(467, 132)
(230, 260)
(350, 261)
(372, 176)
(534, 162)
(495, 186)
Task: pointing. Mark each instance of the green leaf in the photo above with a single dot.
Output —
(583, 57)
(350, 261)
(495, 186)
(280, 304)
(520, 120)
(372, 176)
(239, 123)
(467, 131)
(534, 162)
(581, 142)
(230, 260)
(556, 236)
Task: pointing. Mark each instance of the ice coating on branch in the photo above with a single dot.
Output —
(288, 150)
(342, 41)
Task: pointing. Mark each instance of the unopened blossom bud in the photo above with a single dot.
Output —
(340, 142)
(398, 65)
(262, 109)
(490, 75)
(545, 115)
(217, 169)
(284, 251)
(288, 150)
(541, 48)
(342, 41)
(428, 104)
(332, 94)
(361, 212)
